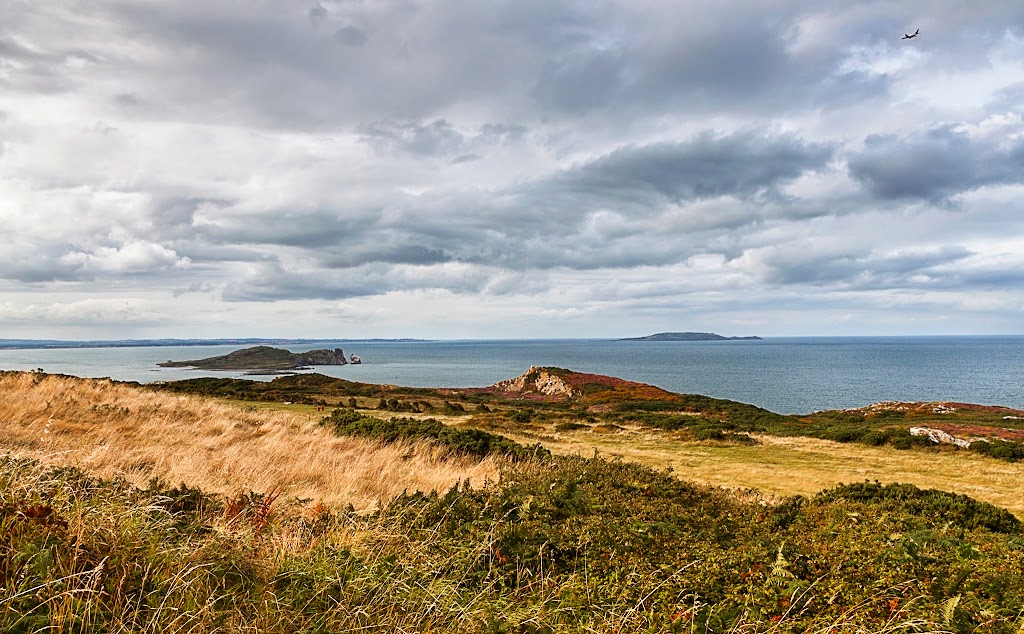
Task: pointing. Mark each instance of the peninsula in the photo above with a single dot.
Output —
(266, 358)
(689, 336)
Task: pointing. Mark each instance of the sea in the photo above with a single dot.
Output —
(782, 374)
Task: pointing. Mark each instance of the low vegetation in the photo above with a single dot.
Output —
(556, 545)
(120, 430)
(464, 441)
(310, 504)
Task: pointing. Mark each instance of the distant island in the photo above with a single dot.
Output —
(266, 359)
(689, 336)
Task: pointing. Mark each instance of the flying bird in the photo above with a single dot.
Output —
(910, 37)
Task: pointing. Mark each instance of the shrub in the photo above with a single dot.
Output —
(1009, 450)
(936, 506)
(460, 440)
(570, 426)
(521, 416)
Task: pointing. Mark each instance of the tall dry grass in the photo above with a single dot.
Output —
(112, 429)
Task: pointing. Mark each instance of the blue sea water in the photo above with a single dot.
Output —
(785, 375)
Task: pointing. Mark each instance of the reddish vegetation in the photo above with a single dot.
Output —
(555, 384)
(998, 409)
(601, 388)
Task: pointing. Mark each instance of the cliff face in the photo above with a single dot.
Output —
(323, 357)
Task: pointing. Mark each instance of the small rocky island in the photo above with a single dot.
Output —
(266, 359)
(689, 336)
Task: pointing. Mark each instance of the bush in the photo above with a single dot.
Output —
(521, 416)
(569, 426)
(460, 440)
(938, 507)
(1009, 450)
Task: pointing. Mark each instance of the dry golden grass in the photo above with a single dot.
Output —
(111, 429)
(790, 466)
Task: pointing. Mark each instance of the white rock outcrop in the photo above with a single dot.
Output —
(537, 380)
(939, 436)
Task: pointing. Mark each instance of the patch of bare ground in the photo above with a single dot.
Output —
(783, 466)
(112, 429)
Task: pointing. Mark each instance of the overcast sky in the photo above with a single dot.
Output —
(520, 168)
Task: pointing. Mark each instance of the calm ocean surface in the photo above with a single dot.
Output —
(785, 375)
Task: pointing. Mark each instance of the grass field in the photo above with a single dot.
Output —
(185, 513)
(803, 466)
(112, 429)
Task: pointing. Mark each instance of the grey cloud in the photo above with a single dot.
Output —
(276, 282)
(495, 133)
(934, 164)
(129, 100)
(367, 252)
(703, 60)
(40, 268)
(708, 166)
(438, 138)
(281, 70)
(863, 270)
(179, 212)
(598, 213)
(1009, 98)
(205, 255)
(423, 139)
(317, 13)
(351, 35)
(195, 287)
(36, 70)
(989, 278)
(310, 229)
(575, 59)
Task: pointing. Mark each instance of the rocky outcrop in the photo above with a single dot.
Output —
(323, 357)
(941, 437)
(536, 381)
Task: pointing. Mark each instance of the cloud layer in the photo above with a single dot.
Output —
(506, 169)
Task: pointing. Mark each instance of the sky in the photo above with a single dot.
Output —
(467, 169)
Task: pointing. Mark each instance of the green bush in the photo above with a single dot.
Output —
(461, 440)
(570, 426)
(1009, 450)
(936, 506)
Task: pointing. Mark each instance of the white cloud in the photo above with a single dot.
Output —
(510, 168)
(131, 257)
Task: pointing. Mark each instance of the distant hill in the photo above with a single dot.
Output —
(689, 336)
(263, 358)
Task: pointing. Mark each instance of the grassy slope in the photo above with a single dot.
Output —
(563, 544)
(115, 429)
(786, 461)
(568, 545)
